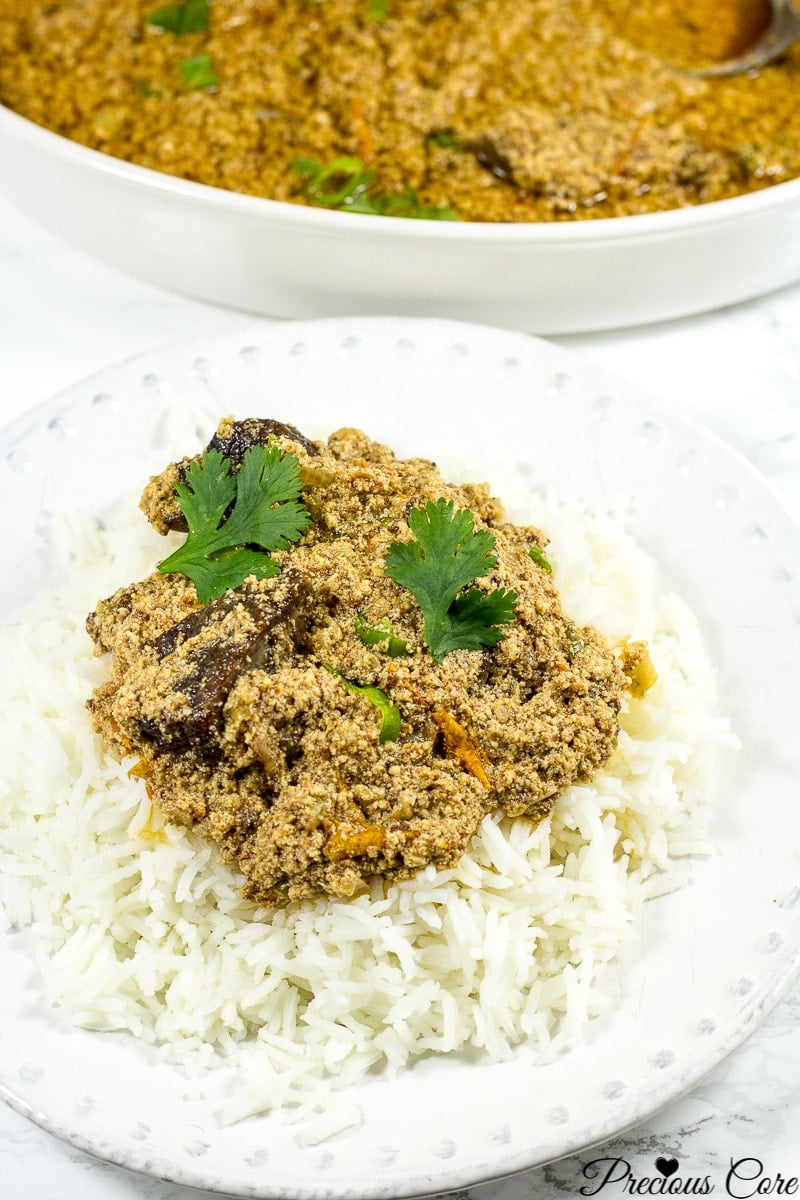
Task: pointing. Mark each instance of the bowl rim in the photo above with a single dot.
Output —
(325, 220)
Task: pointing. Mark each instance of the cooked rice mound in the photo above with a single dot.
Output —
(139, 927)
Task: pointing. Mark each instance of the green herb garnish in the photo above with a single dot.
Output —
(400, 204)
(538, 556)
(148, 91)
(198, 73)
(389, 713)
(263, 514)
(746, 159)
(344, 184)
(332, 186)
(379, 11)
(444, 556)
(446, 138)
(190, 17)
(574, 641)
(307, 168)
(381, 637)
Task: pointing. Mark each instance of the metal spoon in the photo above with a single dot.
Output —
(781, 33)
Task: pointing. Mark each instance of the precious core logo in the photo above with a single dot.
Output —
(746, 1178)
(605, 1171)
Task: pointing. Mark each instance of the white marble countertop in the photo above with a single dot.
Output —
(62, 316)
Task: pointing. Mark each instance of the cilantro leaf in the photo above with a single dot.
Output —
(198, 73)
(474, 619)
(345, 184)
(389, 713)
(399, 204)
(382, 636)
(189, 17)
(444, 556)
(208, 491)
(221, 551)
(267, 478)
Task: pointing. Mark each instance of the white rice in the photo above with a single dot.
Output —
(138, 927)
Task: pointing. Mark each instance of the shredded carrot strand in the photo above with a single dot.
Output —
(362, 130)
(458, 743)
(346, 843)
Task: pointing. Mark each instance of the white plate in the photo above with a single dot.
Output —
(716, 955)
(294, 261)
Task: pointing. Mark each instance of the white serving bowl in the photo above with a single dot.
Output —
(291, 260)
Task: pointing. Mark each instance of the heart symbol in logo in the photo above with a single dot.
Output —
(667, 1166)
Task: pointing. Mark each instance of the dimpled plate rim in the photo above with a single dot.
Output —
(384, 372)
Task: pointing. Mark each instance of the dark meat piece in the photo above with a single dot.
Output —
(492, 160)
(255, 431)
(233, 439)
(192, 625)
(202, 657)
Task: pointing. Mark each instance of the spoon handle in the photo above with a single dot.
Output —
(782, 32)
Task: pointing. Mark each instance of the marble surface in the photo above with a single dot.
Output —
(738, 370)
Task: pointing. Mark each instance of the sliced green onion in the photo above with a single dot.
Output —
(351, 178)
(307, 168)
(538, 556)
(352, 193)
(389, 713)
(400, 204)
(574, 641)
(381, 636)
